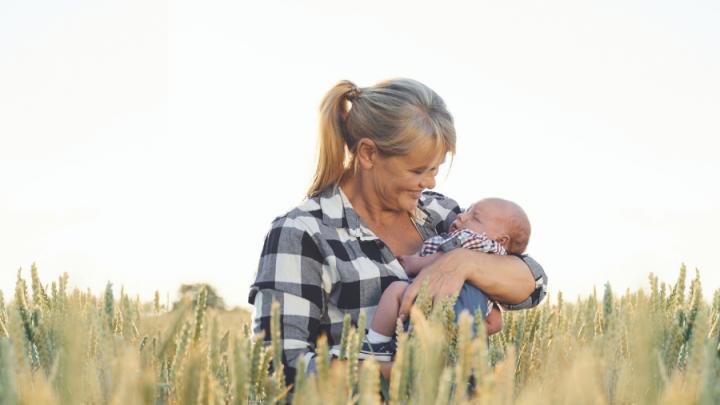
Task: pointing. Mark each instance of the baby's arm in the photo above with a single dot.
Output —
(387, 310)
(413, 264)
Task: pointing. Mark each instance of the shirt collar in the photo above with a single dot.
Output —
(338, 212)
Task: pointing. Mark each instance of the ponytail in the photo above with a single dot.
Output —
(394, 114)
(332, 144)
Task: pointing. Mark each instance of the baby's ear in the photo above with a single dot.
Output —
(504, 240)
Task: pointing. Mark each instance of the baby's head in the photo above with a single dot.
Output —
(502, 220)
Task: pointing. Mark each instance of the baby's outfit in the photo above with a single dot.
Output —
(463, 238)
(470, 297)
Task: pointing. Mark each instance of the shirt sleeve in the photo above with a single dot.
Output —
(290, 272)
(540, 291)
(442, 211)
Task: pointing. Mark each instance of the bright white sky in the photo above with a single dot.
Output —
(152, 145)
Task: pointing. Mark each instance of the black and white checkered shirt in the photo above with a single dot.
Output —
(320, 261)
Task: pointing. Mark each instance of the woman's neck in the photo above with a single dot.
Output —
(366, 202)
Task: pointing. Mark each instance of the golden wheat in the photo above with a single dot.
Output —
(656, 346)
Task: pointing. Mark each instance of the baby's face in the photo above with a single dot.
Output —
(481, 218)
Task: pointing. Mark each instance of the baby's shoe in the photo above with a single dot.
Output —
(379, 351)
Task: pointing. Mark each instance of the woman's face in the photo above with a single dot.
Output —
(399, 180)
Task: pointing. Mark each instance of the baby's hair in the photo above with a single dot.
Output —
(517, 222)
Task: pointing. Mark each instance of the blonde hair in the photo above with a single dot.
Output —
(395, 114)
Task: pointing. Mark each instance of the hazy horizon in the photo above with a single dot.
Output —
(151, 144)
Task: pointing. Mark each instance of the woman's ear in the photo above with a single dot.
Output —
(366, 153)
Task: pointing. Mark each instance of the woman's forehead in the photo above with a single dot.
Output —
(426, 153)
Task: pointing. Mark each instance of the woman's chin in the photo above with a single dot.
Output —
(410, 205)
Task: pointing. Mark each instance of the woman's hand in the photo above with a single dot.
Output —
(505, 279)
(445, 276)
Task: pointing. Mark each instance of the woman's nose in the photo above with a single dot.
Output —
(428, 181)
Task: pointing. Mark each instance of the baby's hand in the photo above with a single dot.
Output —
(494, 321)
(413, 264)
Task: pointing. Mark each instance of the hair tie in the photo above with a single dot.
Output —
(353, 93)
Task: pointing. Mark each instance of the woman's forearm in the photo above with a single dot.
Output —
(506, 279)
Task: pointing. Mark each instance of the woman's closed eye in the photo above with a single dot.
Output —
(425, 170)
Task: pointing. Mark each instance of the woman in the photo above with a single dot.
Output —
(380, 147)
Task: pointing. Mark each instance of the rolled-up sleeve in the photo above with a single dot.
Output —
(541, 281)
(290, 272)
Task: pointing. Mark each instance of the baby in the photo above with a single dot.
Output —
(492, 225)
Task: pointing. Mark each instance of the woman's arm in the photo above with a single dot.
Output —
(516, 282)
(290, 273)
(503, 278)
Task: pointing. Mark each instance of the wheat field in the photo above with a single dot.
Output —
(659, 345)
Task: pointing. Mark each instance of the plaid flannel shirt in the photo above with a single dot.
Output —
(463, 238)
(320, 262)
